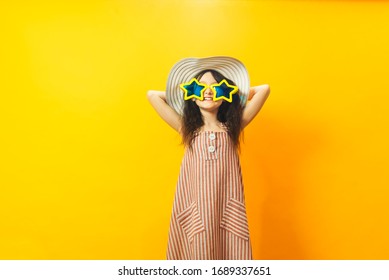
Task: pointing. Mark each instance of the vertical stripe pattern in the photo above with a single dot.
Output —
(209, 220)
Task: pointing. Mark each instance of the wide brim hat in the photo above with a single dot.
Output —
(186, 69)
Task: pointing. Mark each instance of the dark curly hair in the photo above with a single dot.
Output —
(230, 114)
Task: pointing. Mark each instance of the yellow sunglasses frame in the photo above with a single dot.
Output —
(188, 96)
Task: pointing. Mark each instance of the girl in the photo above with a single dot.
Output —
(205, 102)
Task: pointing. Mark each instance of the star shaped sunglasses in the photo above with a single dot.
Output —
(195, 89)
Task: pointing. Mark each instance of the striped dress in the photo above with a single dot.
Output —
(209, 220)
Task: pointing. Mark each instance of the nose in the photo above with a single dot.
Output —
(208, 91)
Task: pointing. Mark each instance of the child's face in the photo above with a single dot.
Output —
(208, 104)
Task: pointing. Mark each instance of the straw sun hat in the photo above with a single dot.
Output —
(186, 69)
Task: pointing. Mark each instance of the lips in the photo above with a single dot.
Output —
(208, 98)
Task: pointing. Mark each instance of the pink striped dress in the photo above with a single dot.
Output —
(209, 220)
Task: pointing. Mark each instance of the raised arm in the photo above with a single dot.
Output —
(167, 113)
(257, 98)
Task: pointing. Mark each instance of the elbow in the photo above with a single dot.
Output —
(262, 90)
(266, 89)
(150, 93)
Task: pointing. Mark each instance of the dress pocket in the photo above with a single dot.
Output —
(190, 221)
(235, 219)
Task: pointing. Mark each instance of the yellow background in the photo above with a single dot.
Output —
(88, 170)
